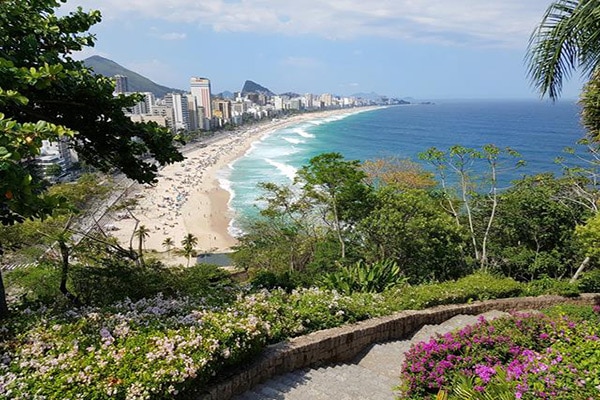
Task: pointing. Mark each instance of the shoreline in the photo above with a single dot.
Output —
(188, 197)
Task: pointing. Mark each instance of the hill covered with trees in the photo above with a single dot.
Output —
(136, 82)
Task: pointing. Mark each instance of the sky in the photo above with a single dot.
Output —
(424, 49)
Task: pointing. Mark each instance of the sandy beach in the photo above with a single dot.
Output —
(188, 198)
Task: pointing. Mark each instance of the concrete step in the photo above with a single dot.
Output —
(385, 358)
(372, 375)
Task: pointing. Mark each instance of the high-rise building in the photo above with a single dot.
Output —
(192, 112)
(326, 99)
(179, 104)
(200, 88)
(121, 84)
(166, 112)
(222, 109)
(55, 154)
(144, 106)
(309, 100)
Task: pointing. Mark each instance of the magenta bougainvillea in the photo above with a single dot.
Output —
(531, 356)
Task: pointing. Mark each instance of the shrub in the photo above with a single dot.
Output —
(117, 280)
(530, 356)
(38, 283)
(573, 311)
(202, 280)
(152, 348)
(158, 346)
(590, 281)
(550, 286)
(266, 279)
(478, 286)
(367, 278)
(303, 310)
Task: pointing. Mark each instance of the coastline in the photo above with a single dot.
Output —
(188, 197)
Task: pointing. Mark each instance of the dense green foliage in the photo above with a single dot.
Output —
(590, 281)
(541, 226)
(116, 279)
(29, 239)
(366, 278)
(533, 233)
(411, 229)
(46, 95)
(331, 215)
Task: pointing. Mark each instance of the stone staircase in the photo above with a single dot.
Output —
(371, 376)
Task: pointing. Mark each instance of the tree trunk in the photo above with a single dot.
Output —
(141, 250)
(487, 231)
(585, 262)
(338, 229)
(465, 198)
(3, 304)
(64, 272)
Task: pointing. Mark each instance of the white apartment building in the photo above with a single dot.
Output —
(181, 115)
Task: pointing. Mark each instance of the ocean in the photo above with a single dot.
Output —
(538, 130)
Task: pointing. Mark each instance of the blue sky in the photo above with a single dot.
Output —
(426, 49)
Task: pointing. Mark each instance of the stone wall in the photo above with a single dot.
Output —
(345, 343)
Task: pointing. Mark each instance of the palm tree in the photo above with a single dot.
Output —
(567, 38)
(188, 243)
(142, 233)
(168, 243)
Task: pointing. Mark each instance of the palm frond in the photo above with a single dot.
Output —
(566, 39)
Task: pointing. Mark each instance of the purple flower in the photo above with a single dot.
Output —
(105, 333)
(484, 372)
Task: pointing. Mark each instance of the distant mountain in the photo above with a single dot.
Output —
(253, 87)
(135, 81)
(225, 95)
(291, 95)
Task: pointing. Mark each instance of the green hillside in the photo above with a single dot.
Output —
(136, 82)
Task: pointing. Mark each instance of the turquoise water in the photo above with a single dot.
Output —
(538, 130)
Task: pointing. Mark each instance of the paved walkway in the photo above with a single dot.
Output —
(372, 375)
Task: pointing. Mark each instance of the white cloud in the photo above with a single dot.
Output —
(172, 36)
(484, 22)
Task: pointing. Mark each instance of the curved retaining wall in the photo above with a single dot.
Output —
(346, 342)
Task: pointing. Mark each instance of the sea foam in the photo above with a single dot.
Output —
(293, 140)
(288, 171)
(303, 133)
(226, 184)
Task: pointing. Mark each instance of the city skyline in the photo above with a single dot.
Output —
(431, 49)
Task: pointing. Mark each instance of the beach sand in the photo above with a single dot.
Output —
(188, 198)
